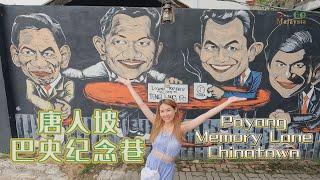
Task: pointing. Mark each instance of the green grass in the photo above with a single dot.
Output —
(269, 2)
(87, 168)
(212, 161)
(4, 156)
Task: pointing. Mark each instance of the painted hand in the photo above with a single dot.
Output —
(216, 92)
(65, 108)
(280, 114)
(274, 114)
(172, 80)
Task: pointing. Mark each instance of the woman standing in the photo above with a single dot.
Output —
(168, 130)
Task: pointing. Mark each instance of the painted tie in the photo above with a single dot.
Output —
(47, 88)
(304, 108)
(243, 75)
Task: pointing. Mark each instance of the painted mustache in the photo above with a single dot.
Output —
(291, 82)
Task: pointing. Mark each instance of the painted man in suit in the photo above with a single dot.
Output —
(292, 56)
(39, 48)
(227, 46)
(129, 47)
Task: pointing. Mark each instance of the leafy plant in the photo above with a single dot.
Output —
(87, 168)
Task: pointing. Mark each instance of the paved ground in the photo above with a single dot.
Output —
(194, 170)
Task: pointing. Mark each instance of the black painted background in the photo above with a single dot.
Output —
(80, 24)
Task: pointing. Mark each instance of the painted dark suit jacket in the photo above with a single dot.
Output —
(252, 84)
(312, 119)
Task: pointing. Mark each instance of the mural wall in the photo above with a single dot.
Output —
(69, 58)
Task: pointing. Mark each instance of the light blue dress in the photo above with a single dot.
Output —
(169, 145)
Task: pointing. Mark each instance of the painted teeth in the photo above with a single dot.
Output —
(221, 67)
(131, 63)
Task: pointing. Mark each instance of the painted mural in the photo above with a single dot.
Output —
(259, 71)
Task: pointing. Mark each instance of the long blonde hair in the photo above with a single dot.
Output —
(159, 123)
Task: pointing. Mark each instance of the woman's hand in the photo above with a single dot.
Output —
(235, 99)
(126, 82)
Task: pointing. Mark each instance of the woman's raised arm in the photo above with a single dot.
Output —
(144, 108)
(190, 125)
